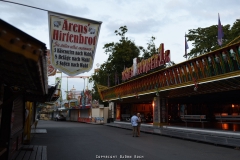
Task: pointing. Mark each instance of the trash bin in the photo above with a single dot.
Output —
(108, 120)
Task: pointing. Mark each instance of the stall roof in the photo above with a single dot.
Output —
(23, 64)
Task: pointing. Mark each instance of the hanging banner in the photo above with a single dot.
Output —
(73, 43)
(51, 70)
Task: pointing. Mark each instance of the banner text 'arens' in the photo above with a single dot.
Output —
(79, 37)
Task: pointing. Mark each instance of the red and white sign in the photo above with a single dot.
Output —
(73, 43)
(50, 69)
(148, 64)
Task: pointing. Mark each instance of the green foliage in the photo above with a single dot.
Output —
(205, 39)
(121, 55)
(151, 49)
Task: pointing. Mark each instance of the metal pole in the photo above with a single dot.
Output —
(67, 89)
(61, 91)
(84, 83)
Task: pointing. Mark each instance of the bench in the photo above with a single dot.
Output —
(30, 152)
(126, 117)
(193, 118)
(228, 117)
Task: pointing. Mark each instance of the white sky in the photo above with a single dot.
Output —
(167, 20)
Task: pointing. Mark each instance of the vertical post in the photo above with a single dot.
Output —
(67, 89)
(87, 83)
(28, 121)
(156, 111)
(61, 91)
(84, 83)
(160, 111)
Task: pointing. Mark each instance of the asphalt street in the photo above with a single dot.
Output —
(81, 141)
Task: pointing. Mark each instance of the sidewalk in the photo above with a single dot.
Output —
(30, 152)
(95, 123)
(221, 137)
(147, 128)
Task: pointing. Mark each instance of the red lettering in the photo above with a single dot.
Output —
(81, 39)
(80, 28)
(167, 56)
(85, 29)
(94, 40)
(75, 27)
(63, 38)
(60, 35)
(70, 26)
(86, 38)
(75, 38)
(90, 40)
(71, 38)
(138, 68)
(65, 25)
(55, 34)
(67, 36)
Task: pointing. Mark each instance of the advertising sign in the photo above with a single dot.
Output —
(147, 65)
(51, 70)
(73, 43)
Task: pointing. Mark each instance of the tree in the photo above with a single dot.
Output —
(151, 49)
(235, 31)
(205, 39)
(121, 55)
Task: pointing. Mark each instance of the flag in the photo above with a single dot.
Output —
(186, 47)
(220, 31)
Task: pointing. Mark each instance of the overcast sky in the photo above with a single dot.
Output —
(167, 20)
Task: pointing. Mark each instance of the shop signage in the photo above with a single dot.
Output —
(73, 43)
(146, 65)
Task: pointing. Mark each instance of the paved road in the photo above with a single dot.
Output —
(80, 141)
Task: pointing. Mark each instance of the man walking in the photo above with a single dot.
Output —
(134, 123)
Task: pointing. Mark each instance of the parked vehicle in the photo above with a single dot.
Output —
(60, 118)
